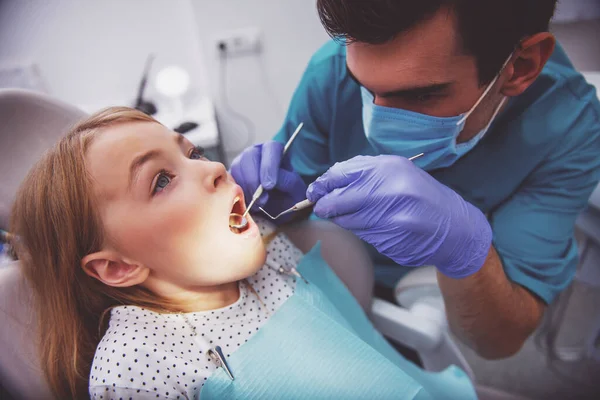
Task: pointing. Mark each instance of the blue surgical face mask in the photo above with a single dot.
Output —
(407, 133)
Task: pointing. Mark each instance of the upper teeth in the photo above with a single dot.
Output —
(235, 201)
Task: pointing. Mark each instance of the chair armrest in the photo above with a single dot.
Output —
(423, 328)
(402, 326)
(20, 370)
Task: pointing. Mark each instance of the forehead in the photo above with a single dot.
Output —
(109, 156)
(431, 50)
(126, 138)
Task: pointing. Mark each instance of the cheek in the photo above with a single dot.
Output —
(186, 224)
(162, 231)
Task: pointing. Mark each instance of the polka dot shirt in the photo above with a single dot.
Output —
(147, 355)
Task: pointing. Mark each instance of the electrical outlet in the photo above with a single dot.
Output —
(239, 42)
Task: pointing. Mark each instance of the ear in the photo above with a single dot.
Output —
(529, 60)
(113, 270)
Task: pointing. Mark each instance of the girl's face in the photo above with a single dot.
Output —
(165, 212)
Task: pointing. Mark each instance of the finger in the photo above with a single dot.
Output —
(340, 201)
(270, 163)
(339, 175)
(286, 162)
(290, 182)
(236, 170)
(353, 223)
(245, 172)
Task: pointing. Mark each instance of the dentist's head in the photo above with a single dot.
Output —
(435, 73)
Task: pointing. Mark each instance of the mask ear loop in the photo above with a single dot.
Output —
(487, 90)
(495, 113)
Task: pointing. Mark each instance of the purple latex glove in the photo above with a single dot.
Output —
(262, 164)
(404, 213)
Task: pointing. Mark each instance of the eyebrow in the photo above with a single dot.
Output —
(139, 161)
(410, 91)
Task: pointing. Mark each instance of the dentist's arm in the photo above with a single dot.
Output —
(490, 313)
(413, 219)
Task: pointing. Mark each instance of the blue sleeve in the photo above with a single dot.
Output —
(534, 230)
(312, 104)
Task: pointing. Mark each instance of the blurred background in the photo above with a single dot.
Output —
(93, 54)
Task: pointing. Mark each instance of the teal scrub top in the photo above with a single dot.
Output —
(532, 173)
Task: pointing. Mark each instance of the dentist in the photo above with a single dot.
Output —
(511, 139)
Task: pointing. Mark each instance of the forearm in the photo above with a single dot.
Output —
(488, 312)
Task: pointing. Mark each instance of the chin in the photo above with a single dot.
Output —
(256, 260)
(243, 260)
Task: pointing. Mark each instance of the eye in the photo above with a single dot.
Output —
(162, 181)
(197, 153)
(424, 97)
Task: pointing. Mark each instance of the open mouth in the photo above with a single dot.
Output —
(236, 219)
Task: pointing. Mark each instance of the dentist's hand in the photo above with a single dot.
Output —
(405, 213)
(262, 164)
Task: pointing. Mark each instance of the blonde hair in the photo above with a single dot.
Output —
(56, 221)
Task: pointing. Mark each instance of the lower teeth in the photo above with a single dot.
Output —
(237, 223)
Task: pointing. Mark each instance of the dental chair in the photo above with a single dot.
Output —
(31, 123)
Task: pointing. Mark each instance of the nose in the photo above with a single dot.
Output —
(216, 175)
(381, 101)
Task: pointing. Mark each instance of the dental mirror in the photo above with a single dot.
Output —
(237, 221)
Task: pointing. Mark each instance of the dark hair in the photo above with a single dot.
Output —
(490, 29)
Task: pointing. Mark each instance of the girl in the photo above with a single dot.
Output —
(127, 220)
(127, 212)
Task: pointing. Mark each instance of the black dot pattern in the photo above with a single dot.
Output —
(144, 354)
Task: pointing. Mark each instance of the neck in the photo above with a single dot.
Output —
(200, 299)
(482, 120)
(213, 298)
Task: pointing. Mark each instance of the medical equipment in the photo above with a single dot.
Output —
(214, 352)
(415, 157)
(259, 191)
(296, 207)
(237, 222)
(280, 269)
(5, 237)
(301, 205)
(145, 106)
(6, 250)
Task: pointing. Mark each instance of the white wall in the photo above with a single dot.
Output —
(92, 52)
(577, 10)
(259, 86)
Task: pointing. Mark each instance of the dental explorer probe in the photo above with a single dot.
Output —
(260, 189)
(307, 203)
